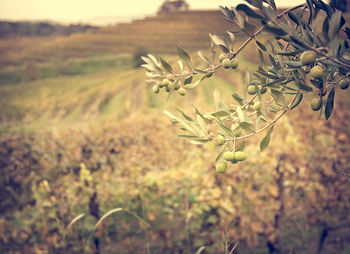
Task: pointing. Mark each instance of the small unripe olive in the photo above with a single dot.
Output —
(250, 107)
(344, 84)
(234, 63)
(164, 82)
(222, 56)
(252, 89)
(220, 140)
(263, 90)
(236, 130)
(257, 105)
(308, 57)
(240, 156)
(229, 156)
(182, 91)
(317, 72)
(221, 167)
(316, 103)
(155, 89)
(177, 86)
(209, 117)
(226, 63)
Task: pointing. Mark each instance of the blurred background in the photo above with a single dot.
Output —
(82, 133)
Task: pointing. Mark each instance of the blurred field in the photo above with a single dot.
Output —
(81, 132)
(92, 69)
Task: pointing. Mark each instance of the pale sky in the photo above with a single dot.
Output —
(88, 10)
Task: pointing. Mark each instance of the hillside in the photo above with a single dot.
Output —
(155, 34)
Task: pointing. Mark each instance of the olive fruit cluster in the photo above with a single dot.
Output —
(227, 62)
(232, 157)
(168, 85)
(309, 57)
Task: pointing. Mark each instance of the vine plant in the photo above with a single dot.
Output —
(309, 53)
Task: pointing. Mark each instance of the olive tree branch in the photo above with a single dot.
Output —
(256, 33)
(287, 108)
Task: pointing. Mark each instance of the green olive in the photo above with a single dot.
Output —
(236, 130)
(240, 156)
(344, 84)
(155, 89)
(252, 90)
(220, 140)
(226, 63)
(257, 105)
(176, 86)
(316, 103)
(308, 57)
(263, 90)
(250, 107)
(317, 72)
(221, 167)
(229, 156)
(182, 91)
(164, 82)
(209, 117)
(234, 63)
(222, 56)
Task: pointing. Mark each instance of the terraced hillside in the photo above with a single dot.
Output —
(157, 34)
(160, 33)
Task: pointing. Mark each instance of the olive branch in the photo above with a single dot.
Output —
(302, 59)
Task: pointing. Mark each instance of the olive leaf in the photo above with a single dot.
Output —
(294, 64)
(185, 58)
(219, 156)
(241, 147)
(248, 11)
(192, 85)
(262, 46)
(166, 65)
(203, 57)
(247, 127)
(227, 12)
(278, 97)
(334, 25)
(241, 115)
(220, 42)
(329, 104)
(266, 140)
(297, 101)
(188, 80)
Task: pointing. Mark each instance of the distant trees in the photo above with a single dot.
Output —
(20, 29)
(173, 5)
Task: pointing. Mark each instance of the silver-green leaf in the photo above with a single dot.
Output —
(266, 140)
